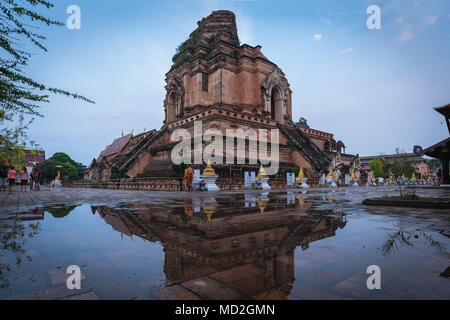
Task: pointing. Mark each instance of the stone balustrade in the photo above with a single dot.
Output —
(151, 184)
(167, 184)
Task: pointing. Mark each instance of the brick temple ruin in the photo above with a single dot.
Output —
(226, 85)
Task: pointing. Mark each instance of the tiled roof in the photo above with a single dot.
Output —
(393, 156)
(444, 110)
(115, 147)
(436, 149)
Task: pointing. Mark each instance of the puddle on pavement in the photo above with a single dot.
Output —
(245, 246)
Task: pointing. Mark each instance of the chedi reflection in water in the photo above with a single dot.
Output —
(248, 248)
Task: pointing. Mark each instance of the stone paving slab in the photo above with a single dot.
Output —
(175, 292)
(237, 274)
(143, 297)
(210, 289)
(55, 293)
(272, 294)
(84, 296)
(355, 286)
(251, 285)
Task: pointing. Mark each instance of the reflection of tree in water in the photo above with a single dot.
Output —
(14, 234)
(185, 217)
(405, 238)
(185, 212)
(60, 211)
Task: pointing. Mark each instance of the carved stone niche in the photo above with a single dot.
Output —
(275, 97)
(174, 102)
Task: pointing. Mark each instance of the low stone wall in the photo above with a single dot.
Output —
(166, 184)
(159, 184)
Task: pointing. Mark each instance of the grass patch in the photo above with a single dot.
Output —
(409, 201)
(412, 198)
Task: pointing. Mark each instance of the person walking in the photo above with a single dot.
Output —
(31, 179)
(23, 179)
(3, 177)
(11, 179)
(188, 177)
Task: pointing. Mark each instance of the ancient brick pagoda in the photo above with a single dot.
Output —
(225, 85)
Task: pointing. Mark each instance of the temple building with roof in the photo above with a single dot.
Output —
(441, 150)
(33, 158)
(225, 85)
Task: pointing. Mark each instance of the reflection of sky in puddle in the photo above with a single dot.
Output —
(258, 245)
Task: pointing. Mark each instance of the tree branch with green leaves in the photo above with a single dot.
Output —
(20, 95)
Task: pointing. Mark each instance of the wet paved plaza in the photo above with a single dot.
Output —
(221, 245)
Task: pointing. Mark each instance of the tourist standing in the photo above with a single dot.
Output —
(23, 179)
(37, 182)
(188, 177)
(12, 178)
(31, 179)
(3, 177)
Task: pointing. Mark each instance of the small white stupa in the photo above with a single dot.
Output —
(302, 179)
(263, 179)
(209, 176)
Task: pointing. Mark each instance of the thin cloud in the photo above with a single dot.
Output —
(346, 51)
(429, 20)
(405, 35)
(318, 37)
(326, 20)
(244, 24)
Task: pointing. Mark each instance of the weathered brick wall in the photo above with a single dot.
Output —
(161, 184)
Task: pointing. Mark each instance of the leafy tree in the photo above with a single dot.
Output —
(14, 236)
(61, 211)
(63, 157)
(399, 167)
(20, 95)
(69, 170)
(49, 171)
(80, 170)
(13, 142)
(117, 173)
(377, 167)
(302, 123)
(178, 170)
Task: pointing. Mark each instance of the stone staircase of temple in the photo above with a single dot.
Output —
(141, 149)
(307, 148)
(158, 168)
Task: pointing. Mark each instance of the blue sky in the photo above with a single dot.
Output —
(374, 89)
